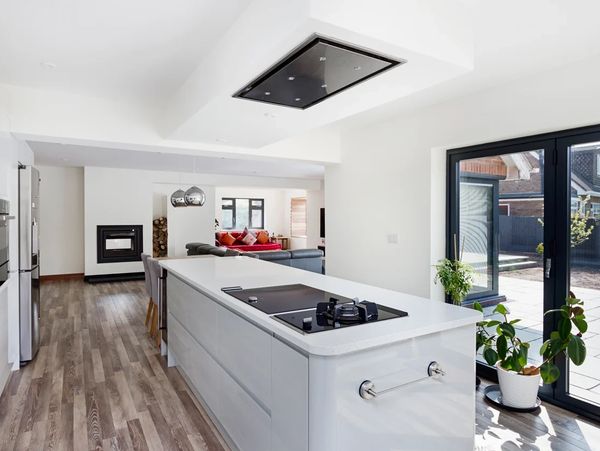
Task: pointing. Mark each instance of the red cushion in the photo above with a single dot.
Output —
(242, 235)
(227, 239)
(256, 247)
(263, 237)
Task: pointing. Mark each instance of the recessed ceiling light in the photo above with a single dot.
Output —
(297, 99)
(292, 78)
(48, 65)
(357, 68)
(322, 58)
(324, 85)
(267, 93)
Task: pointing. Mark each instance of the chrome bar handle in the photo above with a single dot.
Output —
(367, 388)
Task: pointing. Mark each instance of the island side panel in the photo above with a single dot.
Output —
(236, 392)
(289, 413)
(432, 414)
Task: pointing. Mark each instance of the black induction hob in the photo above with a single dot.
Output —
(282, 298)
(309, 310)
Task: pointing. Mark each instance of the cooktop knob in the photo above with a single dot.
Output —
(252, 299)
(307, 323)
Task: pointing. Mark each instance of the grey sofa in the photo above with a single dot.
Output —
(307, 259)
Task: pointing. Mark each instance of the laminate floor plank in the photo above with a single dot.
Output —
(98, 381)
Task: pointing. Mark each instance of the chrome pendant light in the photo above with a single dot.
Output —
(194, 197)
(178, 198)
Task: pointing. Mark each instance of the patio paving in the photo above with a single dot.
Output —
(524, 298)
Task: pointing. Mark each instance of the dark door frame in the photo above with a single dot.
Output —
(491, 294)
(556, 232)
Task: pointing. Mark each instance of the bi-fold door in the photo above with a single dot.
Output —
(525, 214)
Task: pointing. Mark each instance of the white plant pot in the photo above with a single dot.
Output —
(518, 390)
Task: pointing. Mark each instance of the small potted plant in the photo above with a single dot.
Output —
(518, 380)
(455, 276)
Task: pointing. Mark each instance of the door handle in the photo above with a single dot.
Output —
(547, 267)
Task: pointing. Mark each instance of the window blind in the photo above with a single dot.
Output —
(298, 217)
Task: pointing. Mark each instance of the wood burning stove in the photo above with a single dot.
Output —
(119, 243)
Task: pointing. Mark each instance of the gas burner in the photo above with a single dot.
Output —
(347, 312)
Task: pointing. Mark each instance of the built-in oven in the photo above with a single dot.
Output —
(4, 238)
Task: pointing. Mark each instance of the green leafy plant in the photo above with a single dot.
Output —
(507, 349)
(581, 228)
(455, 276)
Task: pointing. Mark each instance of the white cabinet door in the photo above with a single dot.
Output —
(421, 414)
(202, 371)
(245, 351)
(196, 312)
(289, 408)
(248, 425)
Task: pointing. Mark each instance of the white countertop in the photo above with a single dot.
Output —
(210, 274)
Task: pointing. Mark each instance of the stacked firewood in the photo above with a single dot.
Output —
(159, 237)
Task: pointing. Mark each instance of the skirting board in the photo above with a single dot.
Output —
(50, 277)
(99, 278)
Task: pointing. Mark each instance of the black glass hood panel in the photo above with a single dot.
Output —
(314, 72)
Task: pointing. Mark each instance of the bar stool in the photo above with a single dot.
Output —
(150, 307)
(154, 268)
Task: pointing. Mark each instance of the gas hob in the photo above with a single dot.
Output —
(309, 310)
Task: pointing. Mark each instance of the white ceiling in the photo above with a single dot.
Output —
(52, 154)
(185, 58)
(140, 50)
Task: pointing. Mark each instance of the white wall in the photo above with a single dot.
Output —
(61, 220)
(127, 196)
(115, 197)
(398, 186)
(189, 224)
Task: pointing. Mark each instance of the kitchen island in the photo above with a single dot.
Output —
(404, 383)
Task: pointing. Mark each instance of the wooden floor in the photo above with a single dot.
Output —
(550, 428)
(99, 383)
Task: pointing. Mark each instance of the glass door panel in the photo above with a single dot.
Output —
(477, 229)
(501, 234)
(583, 382)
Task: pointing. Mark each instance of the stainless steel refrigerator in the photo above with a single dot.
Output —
(29, 261)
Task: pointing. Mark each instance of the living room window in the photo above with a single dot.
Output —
(238, 213)
(298, 217)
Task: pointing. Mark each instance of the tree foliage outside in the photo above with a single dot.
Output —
(581, 226)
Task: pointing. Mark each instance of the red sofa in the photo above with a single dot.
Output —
(240, 246)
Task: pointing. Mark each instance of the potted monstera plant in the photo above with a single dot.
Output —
(519, 380)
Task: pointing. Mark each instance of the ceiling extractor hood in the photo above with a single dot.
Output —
(315, 71)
